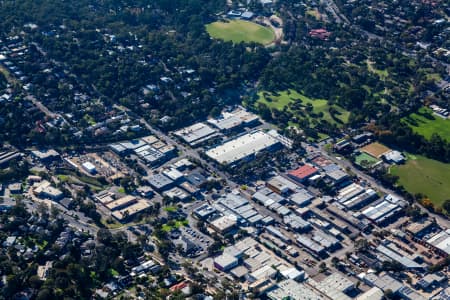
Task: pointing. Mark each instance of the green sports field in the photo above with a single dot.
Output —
(240, 31)
(320, 106)
(425, 123)
(365, 160)
(427, 176)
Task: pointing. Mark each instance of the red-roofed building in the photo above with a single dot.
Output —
(179, 286)
(303, 173)
(321, 33)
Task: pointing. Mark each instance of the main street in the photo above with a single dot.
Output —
(185, 151)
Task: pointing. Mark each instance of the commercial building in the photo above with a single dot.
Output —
(419, 229)
(301, 198)
(177, 194)
(382, 212)
(336, 176)
(293, 273)
(225, 262)
(441, 242)
(347, 217)
(444, 294)
(183, 164)
(7, 156)
(333, 286)
(349, 192)
(89, 167)
(290, 289)
(266, 197)
(160, 182)
(150, 155)
(394, 157)
(239, 272)
(281, 185)
(15, 188)
(145, 191)
(150, 149)
(45, 156)
(343, 146)
(196, 178)
(431, 279)
(338, 282)
(118, 149)
(247, 15)
(204, 212)
(45, 190)
(105, 197)
(147, 266)
(121, 203)
(374, 293)
(328, 242)
(191, 189)
(237, 205)
(196, 134)
(173, 174)
(302, 173)
(263, 273)
(296, 223)
(389, 251)
(131, 210)
(44, 271)
(235, 120)
(132, 145)
(362, 138)
(360, 200)
(259, 265)
(224, 224)
(285, 141)
(386, 283)
(243, 148)
(383, 281)
(277, 233)
(310, 245)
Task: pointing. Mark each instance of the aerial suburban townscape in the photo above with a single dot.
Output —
(225, 149)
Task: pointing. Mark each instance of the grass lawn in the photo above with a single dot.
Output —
(282, 99)
(171, 208)
(89, 119)
(166, 228)
(42, 245)
(321, 137)
(176, 224)
(111, 224)
(427, 176)
(434, 76)
(314, 13)
(425, 123)
(72, 177)
(383, 74)
(63, 178)
(240, 31)
(365, 160)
